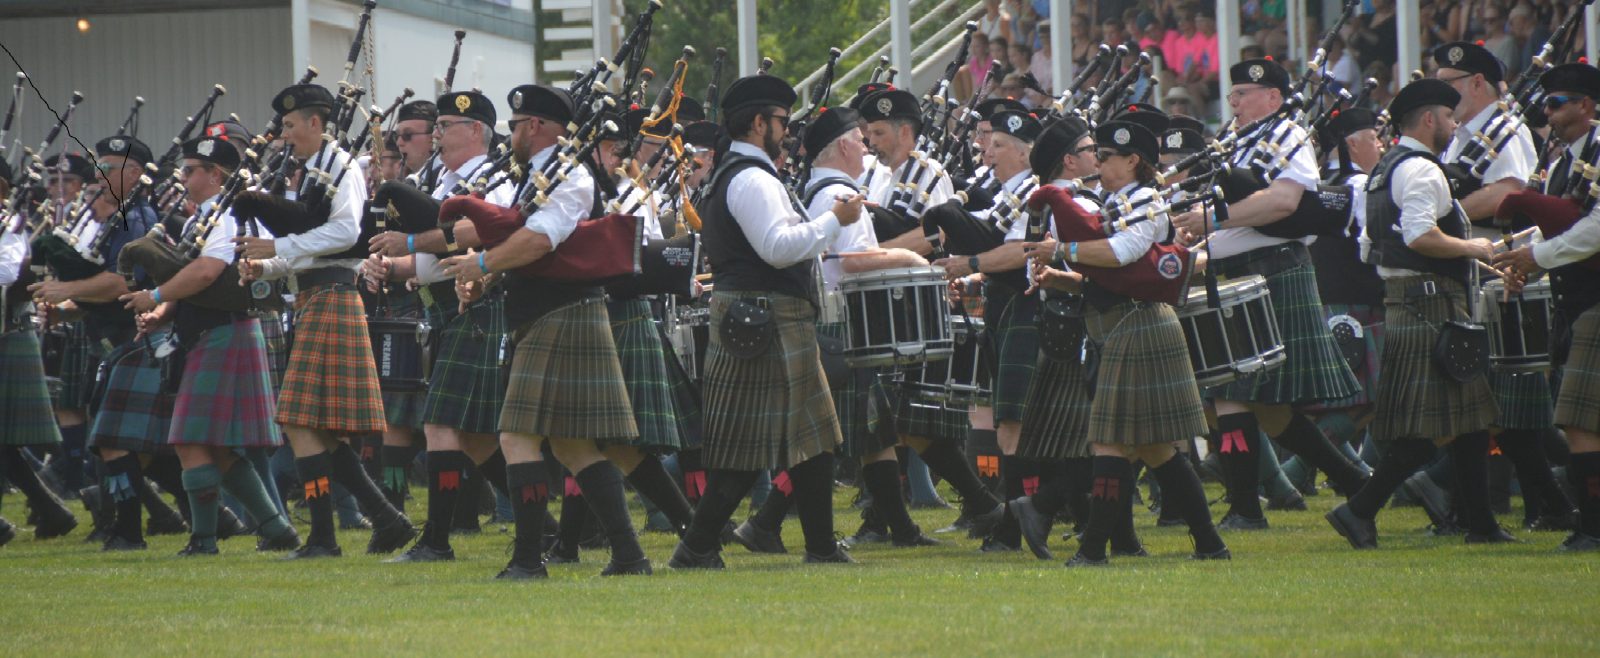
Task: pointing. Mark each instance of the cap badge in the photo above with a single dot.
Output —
(1257, 71)
(1014, 123)
(463, 102)
(117, 145)
(885, 106)
(1174, 140)
(1455, 55)
(205, 147)
(1121, 136)
(516, 100)
(288, 101)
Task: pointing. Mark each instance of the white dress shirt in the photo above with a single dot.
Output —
(1131, 243)
(1517, 160)
(569, 202)
(853, 238)
(766, 214)
(305, 251)
(218, 240)
(933, 182)
(1423, 197)
(14, 250)
(1301, 168)
(428, 270)
(1088, 205)
(1013, 185)
(1576, 243)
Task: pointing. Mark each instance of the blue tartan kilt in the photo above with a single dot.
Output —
(24, 397)
(79, 360)
(134, 413)
(467, 386)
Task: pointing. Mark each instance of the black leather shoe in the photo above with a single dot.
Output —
(421, 552)
(1496, 536)
(310, 551)
(1081, 560)
(1233, 521)
(758, 540)
(1578, 542)
(120, 543)
(1133, 548)
(992, 545)
(838, 556)
(1563, 522)
(983, 524)
(1035, 527)
(166, 524)
(639, 567)
(1293, 502)
(918, 539)
(1433, 499)
(1165, 522)
(359, 524)
(229, 525)
(1361, 533)
(1219, 554)
(54, 523)
(961, 524)
(521, 571)
(867, 535)
(8, 532)
(685, 558)
(286, 541)
(560, 553)
(392, 536)
(195, 548)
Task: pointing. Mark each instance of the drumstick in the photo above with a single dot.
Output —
(703, 277)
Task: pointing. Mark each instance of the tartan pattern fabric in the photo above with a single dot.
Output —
(773, 410)
(466, 388)
(79, 361)
(566, 382)
(917, 417)
(225, 399)
(860, 402)
(1416, 400)
(1145, 392)
(1368, 371)
(644, 370)
(332, 382)
(1313, 369)
(1524, 400)
(1578, 402)
(686, 402)
(277, 348)
(1012, 320)
(134, 414)
(24, 397)
(1056, 423)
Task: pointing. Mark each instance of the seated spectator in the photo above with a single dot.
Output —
(1040, 63)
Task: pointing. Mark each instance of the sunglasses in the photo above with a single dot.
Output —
(1555, 101)
(1085, 149)
(189, 169)
(1106, 155)
(512, 124)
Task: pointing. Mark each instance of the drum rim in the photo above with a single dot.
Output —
(921, 273)
(1240, 290)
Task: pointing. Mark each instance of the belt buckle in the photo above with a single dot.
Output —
(1430, 288)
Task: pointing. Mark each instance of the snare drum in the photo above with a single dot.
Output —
(962, 380)
(1519, 329)
(53, 350)
(400, 350)
(897, 316)
(1239, 338)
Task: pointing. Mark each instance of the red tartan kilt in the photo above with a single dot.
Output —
(332, 382)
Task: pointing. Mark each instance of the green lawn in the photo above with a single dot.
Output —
(1295, 590)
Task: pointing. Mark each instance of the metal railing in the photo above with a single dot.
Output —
(940, 40)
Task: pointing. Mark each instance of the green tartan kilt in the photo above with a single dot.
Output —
(644, 368)
(1145, 392)
(914, 416)
(467, 388)
(773, 410)
(277, 348)
(1012, 323)
(1416, 400)
(566, 382)
(1313, 369)
(225, 397)
(1578, 403)
(861, 401)
(1367, 369)
(1524, 400)
(134, 414)
(79, 361)
(1056, 425)
(24, 397)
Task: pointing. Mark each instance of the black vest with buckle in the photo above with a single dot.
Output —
(734, 262)
(1383, 224)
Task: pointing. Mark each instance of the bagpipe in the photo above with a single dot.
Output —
(909, 199)
(1161, 274)
(954, 229)
(1557, 211)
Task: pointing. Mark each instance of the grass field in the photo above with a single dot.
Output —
(1295, 590)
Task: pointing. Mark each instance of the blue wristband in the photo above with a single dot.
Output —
(155, 295)
(411, 243)
(481, 264)
(1216, 224)
(1072, 252)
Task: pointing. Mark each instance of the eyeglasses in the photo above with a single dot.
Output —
(1085, 149)
(1239, 92)
(1457, 78)
(783, 120)
(109, 166)
(189, 169)
(407, 135)
(1106, 155)
(511, 124)
(1555, 101)
(442, 126)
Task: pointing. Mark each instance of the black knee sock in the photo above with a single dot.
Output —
(1111, 485)
(1305, 439)
(602, 486)
(945, 460)
(530, 498)
(493, 470)
(396, 480)
(1540, 494)
(1584, 474)
(653, 482)
(369, 449)
(348, 472)
(776, 507)
(74, 451)
(1470, 452)
(983, 449)
(446, 475)
(1079, 478)
(315, 472)
(1123, 535)
(1401, 458)
(723, 493)
(1240, 439)
(1182, 492)
(1055, 486)
(694, 475)
(22, 476)
(882, 480)
(467, 504)
(121, 474)
(1016, 472)
(574, 513)
(813, 500)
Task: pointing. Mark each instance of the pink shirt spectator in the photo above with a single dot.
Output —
(1040, 68)
(1205, 51)
(979, 68)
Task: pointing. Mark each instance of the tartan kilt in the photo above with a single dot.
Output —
(332, 382)
(928, 420)
(1313, 370)
(1056, 425)
(277, 348)
(1416, 400)
(225, 399)
(1578, 403)
(466, 388)
(860, 402)
(134, 414)
(1012, 323)
(24, 397)
(773, 410)
(566, 382)
(1524, 400)
(644, 370)
(1369, 369)
(79, 362)
(1145, 392)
